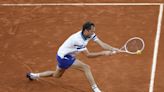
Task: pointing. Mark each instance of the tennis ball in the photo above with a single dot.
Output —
(139, 52)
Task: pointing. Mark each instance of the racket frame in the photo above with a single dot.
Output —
(124, 48)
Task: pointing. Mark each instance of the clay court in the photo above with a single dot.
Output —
(31, 35)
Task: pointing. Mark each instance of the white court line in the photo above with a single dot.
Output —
(153, 71)
(76, 4)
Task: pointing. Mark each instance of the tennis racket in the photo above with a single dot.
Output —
(134, 45)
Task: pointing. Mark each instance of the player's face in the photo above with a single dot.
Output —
(91, 32)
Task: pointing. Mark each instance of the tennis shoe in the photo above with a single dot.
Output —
(32, 76)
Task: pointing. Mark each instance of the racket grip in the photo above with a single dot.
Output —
(114, 52)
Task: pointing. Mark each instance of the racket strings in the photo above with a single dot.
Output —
(134, 45)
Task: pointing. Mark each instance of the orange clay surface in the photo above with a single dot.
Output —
(31, 36)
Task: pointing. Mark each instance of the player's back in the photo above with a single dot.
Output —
(68, 45)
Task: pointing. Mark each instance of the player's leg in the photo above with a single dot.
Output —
(86, 69)
(60, 69)
(57, 73)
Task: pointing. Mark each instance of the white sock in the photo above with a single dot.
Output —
(95, 88)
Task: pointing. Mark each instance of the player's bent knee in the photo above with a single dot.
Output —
(86, 67)
(57, 76)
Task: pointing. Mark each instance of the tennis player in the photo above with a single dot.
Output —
(76, 43)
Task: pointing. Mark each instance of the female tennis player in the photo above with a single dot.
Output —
(73, 45)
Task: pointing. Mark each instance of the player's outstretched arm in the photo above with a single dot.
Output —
(105, 45)
(96, 54)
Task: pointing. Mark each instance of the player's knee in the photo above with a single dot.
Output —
(57, 76)
(86, 67)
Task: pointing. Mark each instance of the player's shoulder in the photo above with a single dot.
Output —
(94, 37)
(76, 35)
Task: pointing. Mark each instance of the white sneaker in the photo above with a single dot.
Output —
(96, 90)
(32, 76)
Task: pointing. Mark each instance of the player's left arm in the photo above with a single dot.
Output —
(105, 45)
(96, 54)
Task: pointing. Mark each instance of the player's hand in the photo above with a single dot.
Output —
(107, 53)
(114, 50)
